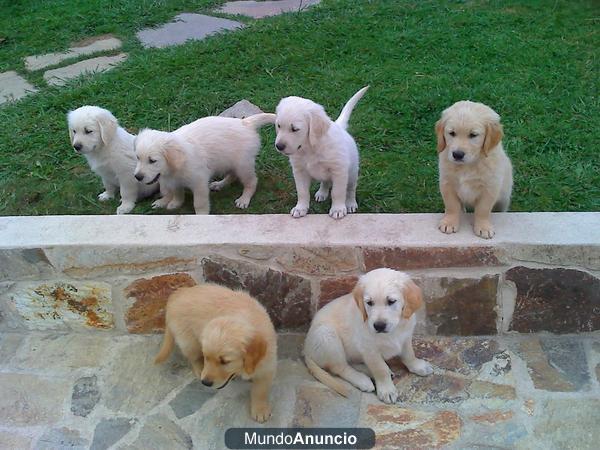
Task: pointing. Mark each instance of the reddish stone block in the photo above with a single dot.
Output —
(332, 288)
(429, 257)
(555, 300)
(147, 314)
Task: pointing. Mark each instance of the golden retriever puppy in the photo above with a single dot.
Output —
(319, 149)
(372, 324)
(108, 149)
(189, 156)
(474, 170)
(223, 334)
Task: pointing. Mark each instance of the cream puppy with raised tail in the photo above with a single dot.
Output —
(372, 324)
(191, 155)
(224, 334)
(108, 149)
(474, 170)
(319, 149)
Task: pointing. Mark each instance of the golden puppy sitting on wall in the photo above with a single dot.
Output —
(224, 334)
(474, 170)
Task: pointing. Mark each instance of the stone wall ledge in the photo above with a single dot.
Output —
(541, 272)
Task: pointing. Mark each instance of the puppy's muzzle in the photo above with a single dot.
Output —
(280, 146)
(77, 147)
(139, 176)
(458, 155)
(380, 327)
(208, 383)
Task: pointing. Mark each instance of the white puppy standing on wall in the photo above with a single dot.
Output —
(319, 149)
(474, 170)
(108, 149)
(372, 324)
(189, 156)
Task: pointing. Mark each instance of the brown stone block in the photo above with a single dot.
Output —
(465, 307)
(147, 314)
(332, 288)
(287, 297)
(429, 257)
(555, 300)
(319, 260)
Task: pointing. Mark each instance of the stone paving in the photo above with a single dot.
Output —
(98, 391)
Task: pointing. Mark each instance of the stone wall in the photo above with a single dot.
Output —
(113, 274)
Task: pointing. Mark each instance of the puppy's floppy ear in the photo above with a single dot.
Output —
(358, 294)
(254, 352)
(493, 136)
(174, 154)
(413, 299)
(318, 124)
(108, 126)
(439, 131)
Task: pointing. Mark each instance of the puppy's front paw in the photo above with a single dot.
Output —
(365, 384)
(321, 196)
(299, 211)
(242, 202)
(215, 185)
(449, 224)
(160, 203)
(420, 367)
(351, 206)
(125, 208)
(174, 204)
(484, 229)
(260, 412)
(105, 196)
(386, 392)
(338, 211)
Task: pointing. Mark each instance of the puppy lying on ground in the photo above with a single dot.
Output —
(108, 148)
(373, 323)
(189, 156)
(474, 170)
(319, 149)
(224, 334)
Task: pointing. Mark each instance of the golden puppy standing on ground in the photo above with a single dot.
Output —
(474, 170)
(224, 334)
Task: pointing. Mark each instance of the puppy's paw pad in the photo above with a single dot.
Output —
(299, 211)
(105, 196)
(484, 231)
(261, 413)
(125, 208)
(173, 204)
(387, 394)
(338, 212)
(448, 225)
(215, 186)
(321, 196)
(421, 368)
(242, 203)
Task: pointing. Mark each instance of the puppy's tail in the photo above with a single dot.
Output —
(166, 347)
(258, 120)
(344, 117)
(327, 379)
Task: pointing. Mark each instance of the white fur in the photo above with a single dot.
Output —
(189, 156)
(319, 149)
(108, 149)
(339, 335)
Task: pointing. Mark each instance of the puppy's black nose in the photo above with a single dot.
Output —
(379, 326)
(458, 155)
(77, 146)
(139, 176)
(280, 146)
(207, 383)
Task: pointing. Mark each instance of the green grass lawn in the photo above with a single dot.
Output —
(534, 62)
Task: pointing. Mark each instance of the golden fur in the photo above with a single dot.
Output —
(224, 334)
(474, 170)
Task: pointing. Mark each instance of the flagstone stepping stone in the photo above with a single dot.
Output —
(98, 44)
(185, 27)
(241, 109)
(258, 10)
(60, 76)
(13, 86)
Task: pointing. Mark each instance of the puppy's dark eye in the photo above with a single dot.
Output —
(74, 132)
(294, 129)
(278, 125)
(391, 301)
(473, 135)
(151, 161)
(452, 133)
(223, 361)
(88, 131)
(369, 302)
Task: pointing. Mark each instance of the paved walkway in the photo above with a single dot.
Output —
(81, 391)
(184, 27)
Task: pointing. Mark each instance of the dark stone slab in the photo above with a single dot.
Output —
(332, 288)
(287, 297)
(61, 439)
(467, 307)
(109, 432)
(322, 407)
(161, 433)
(555, 300)
(190, 399)
(85, 396)
(429, 257)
